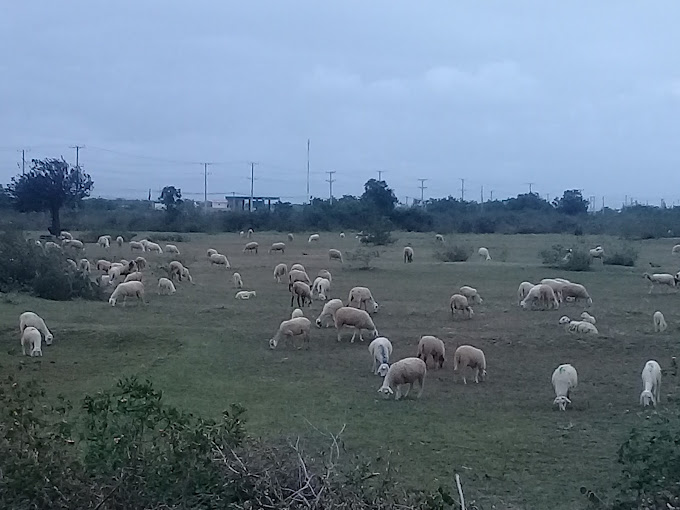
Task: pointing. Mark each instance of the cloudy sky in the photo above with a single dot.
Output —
(563, 95)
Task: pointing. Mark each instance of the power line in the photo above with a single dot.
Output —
(422, 189)
(330, 182)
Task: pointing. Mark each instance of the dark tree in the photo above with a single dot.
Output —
(571, 203)
(49, 185)
(171, 197)
(378, 195)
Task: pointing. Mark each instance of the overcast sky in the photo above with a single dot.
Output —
(575, 94)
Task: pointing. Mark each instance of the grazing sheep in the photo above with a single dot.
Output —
(241, 233)
(556, 286)
(432, 346)
(342, 235)
(380, 350)
(297, 313)
(238, 281)
(66, 235)
(290, 237)
(322, 287)
(298, 267)
(176, 268)
(171, 248)
(459, 303)
(73, 243)
(32, 319)
(141, 263)
(84, 266)
(439, 238)
(359, 296)
(251, 247)
(217, 259)
(280, 272)
(523, 290)
(211, 252)
(661, 279)
(324, 273)
(250, 233)
(408, 254)
(166, 286)
(72, 264)
(115, 273)
(104, 280)
(354, 318)
(596, 253)
(120, 241)
(103, 265)
(484, 253)
(576, 292)
(153, 247)
(471, 294)
(137, 246)
(578, 327)
(404, 372)
(313, 237)
(540, 294)
(327, 316)
(676, 250)
(651, 384)
(564, 379)
(126, 290)
(585, 316)
(278, 247)
(300, 326)
(302, 292)
(134, 277)
(104, 242)
(31, 342)
(659, 322)
(52, 246)
(334, 254)
(245, 294)
(467, 356)
(295, 275)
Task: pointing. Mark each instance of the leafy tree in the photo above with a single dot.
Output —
(571, 203)
(49, 185)
(171, 197)
(379, 196)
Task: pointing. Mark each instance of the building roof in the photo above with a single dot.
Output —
(244, 197)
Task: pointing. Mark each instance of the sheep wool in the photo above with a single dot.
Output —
(31, 342)
(126, 290)
(431, 346)
(651, 384)
(298, 327)
(380, 350)
(659, 322)
(245, 294)
(354, 318)
(467, 356)
(564, 379)
(166, 286)
(327, 316)
(32, 319)
(405, 372)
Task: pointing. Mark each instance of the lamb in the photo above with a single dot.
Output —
(484, 253)
(31, 342)
(328, 312)
(471, 294)
(279, 272)
(596, 253)
(73, 243)
(578, 327)
(251, 247)
(72, 264)
(133, 277)
(245, 294)
(66, 235)
(407, 371)
(303, 293)
(105, 280)
(651, 384)
(523, 290)
(295, 275)
(32, 319)
(166, 286)
(586, 317)
(238, 281)
(290, 237)
(52, 246)
(675, 250)
(323, 287)
(136, 245)
(576, 292)
(297, 313)
(84, 265)
(300, 326)
(359, 296)
(354, 318)
(564, 379)
(408, 254)
(432, 346)
(250, 233)
(176, 268)
(171, 248)
(298, 267)
(380, 350)
(120, 241)
(104, 242)
(141, 263)
(556, 286)
(659, 322)
(313, 237)
(126, 290)
(458, 302)
(103, 265)
(324, 273)
(439, 238)
(467, 356)
(334, 254)
(543, 295)
(153, 247)
(661, 279)
(217, 259)
(278, 247)
(211, 252)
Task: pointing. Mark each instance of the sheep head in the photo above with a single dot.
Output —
(48, 338)
(647, 398)
(386, 391)
(382, 369)
(273, 342)
(564, 320)
(112, 301)
(562, 402)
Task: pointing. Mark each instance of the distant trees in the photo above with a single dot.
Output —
(49, 185)
(571, 203)
(171, 198)
(378, 196)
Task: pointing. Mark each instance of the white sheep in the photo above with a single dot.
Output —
(133, 277)
(137, 246)
(439, 238)
(675, 250)
(280, 272)
(651, 384)
(66, 235)
(171, 248)
(467, 356)
(327, 316)
(576, 292)
(404, 372)
(542, 294)
(484, 253)
(295, 275)
(471, 294)
(166, 286)
(218, 259)
(298, 267)
(105, 280)
(380, 350)
(291, 237)
(250, 233)
(31, 342)
(334, 254)
(578, 327)
(302, 292)
(52, 246)
(313, 237)
(153, 247)
(564, 379)
(103, 265)
(354, 318)
(661, 279)
(32, 319)
(126, 290)
(322, 287)
(84, 265)
(211, 252)
(324, 273)
(523, 290)
(408, 254)
(659, 322)
(73, 243)
(238, 281)
(251, 247)
(300, 326)
(72, 264)
(245, 294)
(342, 235)
(104, 242)
(431, 346)
(596, 253)
(176, 268)
(297, 313)
(585, 316)
(120, 241)
(141, 263)
(278, 247)
(459, 303)
(361, 296)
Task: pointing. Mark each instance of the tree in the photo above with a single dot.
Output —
(378, 195)
(571, 203)
(171, 197)
(49, 185)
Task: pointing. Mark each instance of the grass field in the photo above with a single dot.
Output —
(513, 450)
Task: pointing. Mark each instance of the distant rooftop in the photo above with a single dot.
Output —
(244, 197)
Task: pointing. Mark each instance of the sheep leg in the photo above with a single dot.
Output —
(421, 383)
(397, 395)
(408, 389)
(23, 349)
(477, 375)
(355, 334)
(292, 300)
(339, 331)
(657, 391)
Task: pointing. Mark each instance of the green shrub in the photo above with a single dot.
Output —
(174, 238)
(560, 258)
(362, 257)
(92, 236)
(626, 256)
(454, 253)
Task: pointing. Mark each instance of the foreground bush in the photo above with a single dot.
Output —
(559, 257)
(623, 257)
(454, 253)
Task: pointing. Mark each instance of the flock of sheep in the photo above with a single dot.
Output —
(125, 278)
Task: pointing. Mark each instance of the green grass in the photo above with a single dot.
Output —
(206, 350)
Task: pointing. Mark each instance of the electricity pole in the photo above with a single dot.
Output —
(77, 148)
(252, 185)
(308, 196)
(23, 161)
(330, 182)
(205, 185)
(491, 197)
(462, 190)
(422, 190)
(482, 196)
(530, 185)
(380, 172)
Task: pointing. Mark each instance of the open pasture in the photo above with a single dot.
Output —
(512, 448)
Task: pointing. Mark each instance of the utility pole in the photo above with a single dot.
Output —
(380, 172)
(308, 196)
(462, 190)
(530, 186)
(603, 203)
(491, 197)
(77, 148)
(330, 182)
(252, 185)
(422, 190)
(23, 161)
(205, 185)
(482, 196)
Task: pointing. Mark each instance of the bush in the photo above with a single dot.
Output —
(454, 253)
(174, 238)
(378, 234)
(92, 236)
(560, 258)
(362, 256)
(624, 257)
